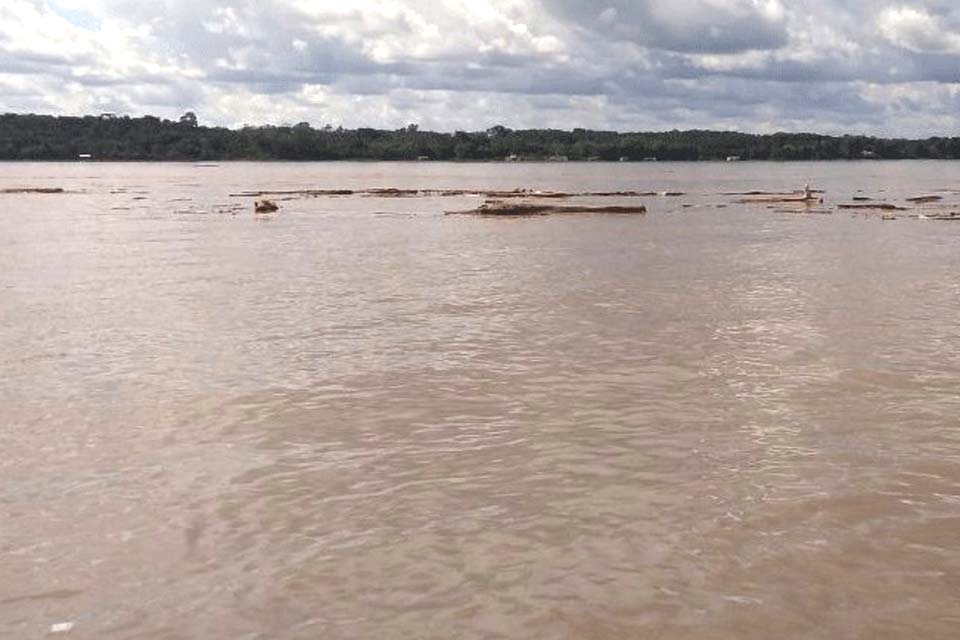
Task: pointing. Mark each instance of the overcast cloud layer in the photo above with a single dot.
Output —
(833, 66)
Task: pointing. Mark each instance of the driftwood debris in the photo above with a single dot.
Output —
(952, 216)
(803, 211)
(265, 206)
(781, 199)
(33, 190)
(448, 193)
(770, 193)
(924, 199)
(306, 193)
(501, 208)
(883, 206)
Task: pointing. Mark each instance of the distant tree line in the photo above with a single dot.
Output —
(111, 137)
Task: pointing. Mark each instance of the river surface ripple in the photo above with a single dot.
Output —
(359, 418)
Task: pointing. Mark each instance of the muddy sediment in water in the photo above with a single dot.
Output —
(530, 202)
(732, 422)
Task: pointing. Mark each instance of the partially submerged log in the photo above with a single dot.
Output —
(953, 216)
(803, 211)
(265, 206)
(924, 199)
(294, 192)
(883, 206)
(391, 193)
(781, 199)
(501, 208)
(769, 193)
(33, 190)
(613, 194)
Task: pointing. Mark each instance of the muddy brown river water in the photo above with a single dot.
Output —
(359, 418)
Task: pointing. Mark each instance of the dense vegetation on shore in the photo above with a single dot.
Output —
(109, 137)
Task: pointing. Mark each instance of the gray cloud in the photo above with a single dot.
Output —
(692, 26)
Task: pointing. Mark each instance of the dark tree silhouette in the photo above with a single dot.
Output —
(110, 137)
(189, 119)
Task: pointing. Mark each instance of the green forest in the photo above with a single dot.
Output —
(112, 137)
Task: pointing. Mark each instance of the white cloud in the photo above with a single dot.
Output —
(916, 30)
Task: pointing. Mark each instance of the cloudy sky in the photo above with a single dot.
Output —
(833, 66)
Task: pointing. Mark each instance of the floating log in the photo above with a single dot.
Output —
(780, 199)
(884, 206)
(294, 192)
(768, 193)
(391, 193)
(952, 216)
(33, 190)
(500, 208)
(924, 199)
(804, 211)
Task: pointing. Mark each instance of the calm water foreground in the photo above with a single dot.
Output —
(362, 419)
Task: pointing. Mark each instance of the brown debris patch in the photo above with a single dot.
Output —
(265, 206)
